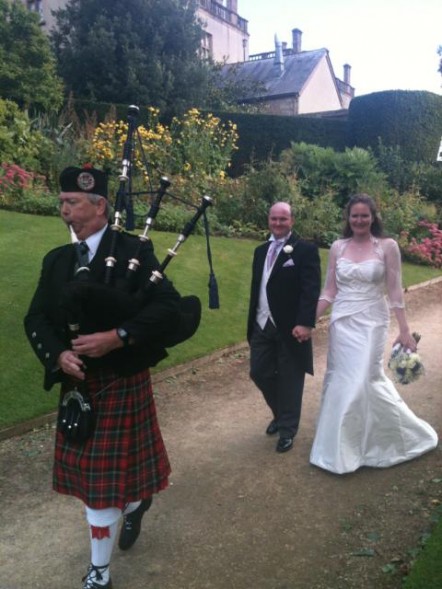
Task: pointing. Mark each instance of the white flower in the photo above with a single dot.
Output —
(287, 249)
(406, 365)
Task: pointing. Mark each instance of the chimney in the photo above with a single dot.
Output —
(347, 71)
(296, 40)
(279, 56)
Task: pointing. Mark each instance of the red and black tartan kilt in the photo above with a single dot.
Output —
(125, 459)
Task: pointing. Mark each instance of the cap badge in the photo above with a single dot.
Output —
(85, 181)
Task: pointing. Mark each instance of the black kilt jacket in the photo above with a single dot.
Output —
(102, 308)
(293, 290)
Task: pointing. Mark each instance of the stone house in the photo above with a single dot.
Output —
(225, 32)
(290, 81)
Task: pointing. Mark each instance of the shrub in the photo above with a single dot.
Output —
(202, 147)
(402, 212)
(69, 139)
(197, 149)
(322, 170)
(244, 202)
(428, 177)
(318, 220)
(25, 191)
(390, 161)
(404, 176)
(38, 204)
(426, 249)
(19, 142)
(170, 218)
(233, 213)
(109, 138)
(15, 182)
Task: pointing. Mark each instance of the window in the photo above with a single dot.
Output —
(206, 46)
(36, 6)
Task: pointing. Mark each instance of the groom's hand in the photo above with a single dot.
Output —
(302, 333)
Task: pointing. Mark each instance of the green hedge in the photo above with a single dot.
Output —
(84, 109)
(411, 120)
(264, 136)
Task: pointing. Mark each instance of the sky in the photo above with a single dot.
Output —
(389, 44)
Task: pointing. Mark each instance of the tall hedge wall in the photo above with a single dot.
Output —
(262, 136)
(411, 120)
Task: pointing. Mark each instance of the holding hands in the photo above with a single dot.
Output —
(302, 333)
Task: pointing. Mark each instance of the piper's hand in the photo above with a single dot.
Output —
(302, 333)
(71, 364)
(96, 345)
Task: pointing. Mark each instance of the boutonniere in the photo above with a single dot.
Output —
(287, 249)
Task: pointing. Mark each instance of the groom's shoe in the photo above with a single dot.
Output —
(284, 444)
(272, 428)
(130, 530)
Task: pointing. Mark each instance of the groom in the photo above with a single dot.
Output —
(285, 288)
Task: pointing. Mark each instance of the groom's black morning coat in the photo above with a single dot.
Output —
(292, 291)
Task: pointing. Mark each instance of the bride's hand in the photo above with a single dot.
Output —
(407, 341)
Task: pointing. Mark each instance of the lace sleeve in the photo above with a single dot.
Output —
(329, 291)
(393, 274)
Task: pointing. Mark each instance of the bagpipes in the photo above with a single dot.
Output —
(93, 306)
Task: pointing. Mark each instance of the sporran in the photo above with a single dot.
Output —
(76, 419)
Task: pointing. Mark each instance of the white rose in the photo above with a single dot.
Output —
(413, 359)
(287, 249)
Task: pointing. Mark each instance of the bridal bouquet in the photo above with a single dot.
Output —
(406, 365)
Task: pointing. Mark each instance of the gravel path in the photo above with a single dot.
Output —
(237, 515)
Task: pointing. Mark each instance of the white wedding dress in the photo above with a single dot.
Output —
(363, 421)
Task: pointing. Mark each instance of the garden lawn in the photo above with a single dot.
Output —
(426, 573)
(24, 239)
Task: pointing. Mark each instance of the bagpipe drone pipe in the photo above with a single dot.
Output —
(94, 306)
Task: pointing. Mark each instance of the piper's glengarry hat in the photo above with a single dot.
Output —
(86, 179)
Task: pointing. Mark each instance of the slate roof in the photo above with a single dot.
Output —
(297, 69)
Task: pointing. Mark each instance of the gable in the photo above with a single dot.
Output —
(321, 92)
(273, 81)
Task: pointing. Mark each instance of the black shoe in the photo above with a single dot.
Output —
(130, 530)
(284, 444)
(95, 574)
(272, 428)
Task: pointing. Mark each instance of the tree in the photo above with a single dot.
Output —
(439, 52)
(27, 65)
(131, 51)
(226, 89)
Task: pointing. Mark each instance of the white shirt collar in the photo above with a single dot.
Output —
(282, 239)
(93, 241)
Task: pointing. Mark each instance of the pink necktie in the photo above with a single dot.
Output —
(271, 254)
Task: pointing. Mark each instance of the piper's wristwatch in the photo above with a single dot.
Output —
(123, 335)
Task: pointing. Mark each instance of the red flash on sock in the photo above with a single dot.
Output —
(100, 533)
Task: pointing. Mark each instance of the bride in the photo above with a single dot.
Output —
(363, 421)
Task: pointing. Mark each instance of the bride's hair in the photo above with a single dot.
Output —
(376, 227)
